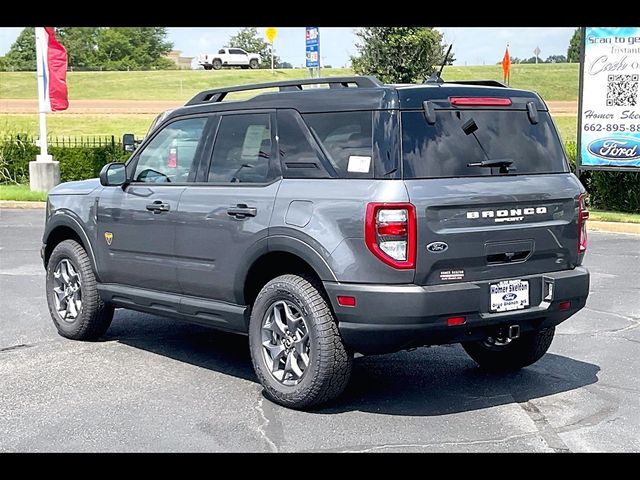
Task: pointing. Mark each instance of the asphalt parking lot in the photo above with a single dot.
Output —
(155, 384)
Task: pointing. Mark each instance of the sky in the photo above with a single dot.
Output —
(472, 46)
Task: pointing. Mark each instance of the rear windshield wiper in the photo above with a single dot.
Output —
(491, 163)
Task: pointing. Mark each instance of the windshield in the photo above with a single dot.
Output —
(444, 149)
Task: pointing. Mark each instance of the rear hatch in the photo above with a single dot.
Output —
(513, 212)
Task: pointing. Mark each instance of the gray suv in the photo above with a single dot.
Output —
(323, 222)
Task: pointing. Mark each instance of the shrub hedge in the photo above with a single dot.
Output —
(76, 163)
(607, 190)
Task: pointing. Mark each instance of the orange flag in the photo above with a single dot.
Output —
(506, 63)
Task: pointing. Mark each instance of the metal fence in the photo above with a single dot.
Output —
(67, 141)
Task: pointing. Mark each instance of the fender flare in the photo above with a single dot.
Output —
(67, 219)
(286, 244)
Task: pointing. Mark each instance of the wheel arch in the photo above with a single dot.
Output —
(64, 227)
(283, 255)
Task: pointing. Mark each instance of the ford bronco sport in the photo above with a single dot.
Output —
(322, 222)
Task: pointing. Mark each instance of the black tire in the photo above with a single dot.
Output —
(517, 354)
(330, 363)
(217, 64)
(253, 64)
(94, 316)
(207, 67)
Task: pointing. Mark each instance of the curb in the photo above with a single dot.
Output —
(21, 205)
(612, 227)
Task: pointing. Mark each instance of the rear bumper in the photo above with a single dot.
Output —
(388, 318)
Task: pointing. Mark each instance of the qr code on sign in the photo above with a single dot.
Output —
(622, 90)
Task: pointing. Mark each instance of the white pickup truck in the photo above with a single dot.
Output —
(229, 57)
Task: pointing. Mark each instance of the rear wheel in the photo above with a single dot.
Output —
(72, 296)
(296, 348)
(207, 67)
(503, 355)
(217, 64)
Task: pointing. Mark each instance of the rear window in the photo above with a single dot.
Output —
(444, 149)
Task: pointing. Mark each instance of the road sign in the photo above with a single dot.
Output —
(537, 51)
(271, 33)
(312, 39)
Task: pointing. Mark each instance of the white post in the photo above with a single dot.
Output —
(42, 109)
(272, 55)
(44, 173)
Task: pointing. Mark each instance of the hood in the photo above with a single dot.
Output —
(82, 187)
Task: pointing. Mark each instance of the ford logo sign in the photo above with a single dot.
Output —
(619, 148)
(507, 297)
(437, 247)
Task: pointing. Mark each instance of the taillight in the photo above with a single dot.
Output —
(583, 215)
(480, 101)
(390, 233)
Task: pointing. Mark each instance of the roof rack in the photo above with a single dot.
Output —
(487, 83)
(218, 94)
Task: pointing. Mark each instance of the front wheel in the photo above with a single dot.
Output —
(296, 348)
(75, 306)
(217, 64)
(509, 355)
(253, 64)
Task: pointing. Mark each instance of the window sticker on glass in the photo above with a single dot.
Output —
(253, 140)
(359, 164)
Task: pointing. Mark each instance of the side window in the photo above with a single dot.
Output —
(298, 157)
(236, 51)
(221, 51)
(346, 138)
(242, 152)
(171, 153)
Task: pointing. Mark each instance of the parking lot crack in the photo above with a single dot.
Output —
(547, 432)
(263, 426)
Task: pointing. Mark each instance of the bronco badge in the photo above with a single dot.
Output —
(108, 236)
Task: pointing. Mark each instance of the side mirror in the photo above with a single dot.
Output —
(128, 142)
(113, 175)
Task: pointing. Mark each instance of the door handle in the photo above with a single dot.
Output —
(242, 211)
(158, 207)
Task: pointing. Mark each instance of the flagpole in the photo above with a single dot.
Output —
(44, 173)
(42, 108)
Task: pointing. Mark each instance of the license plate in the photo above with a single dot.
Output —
(509, 295)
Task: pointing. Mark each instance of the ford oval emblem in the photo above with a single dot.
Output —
(437, 247)
(507, 297)
(619, 148)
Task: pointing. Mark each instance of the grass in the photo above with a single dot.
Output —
(553, 81)
(70, 124)
(608, 216)
(567, 126)
(21, 193)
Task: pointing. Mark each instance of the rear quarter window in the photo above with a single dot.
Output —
(444, 149)
(346, 138)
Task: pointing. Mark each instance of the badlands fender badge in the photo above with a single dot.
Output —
(108, 237)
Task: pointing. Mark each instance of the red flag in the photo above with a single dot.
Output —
(506, 63)
(56, 72)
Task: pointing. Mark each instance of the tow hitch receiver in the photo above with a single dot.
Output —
(513, 332)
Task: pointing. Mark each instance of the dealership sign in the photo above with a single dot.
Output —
(609, 123)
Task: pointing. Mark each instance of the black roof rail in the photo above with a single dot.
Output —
(486, 83)
(218, 94)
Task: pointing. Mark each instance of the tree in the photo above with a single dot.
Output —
(110, 48)
(81, 44)
(133, 48)
(22, 54)
(556, 59)
(573, 53)
(398, 54)
(249, 40)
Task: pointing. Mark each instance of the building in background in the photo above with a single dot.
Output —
(183, 63)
